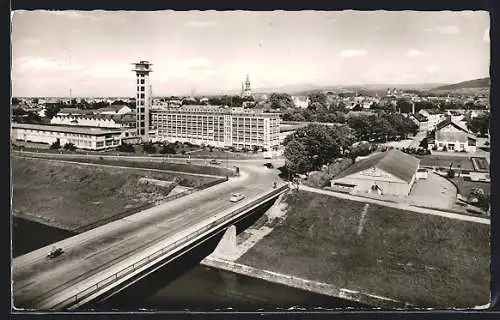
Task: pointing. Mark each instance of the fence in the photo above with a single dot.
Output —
(157, 254)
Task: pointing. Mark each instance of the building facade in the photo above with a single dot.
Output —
(143, 99)
(453, 136)
(388, 173)
(216, 126)
(87, 138)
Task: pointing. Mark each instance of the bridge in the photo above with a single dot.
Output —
(106, 259)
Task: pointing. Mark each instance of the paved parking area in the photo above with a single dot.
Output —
(434, 192)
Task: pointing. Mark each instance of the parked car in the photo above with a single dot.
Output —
(214, 161)
(55, 252)
(269, 165)
(235, 197)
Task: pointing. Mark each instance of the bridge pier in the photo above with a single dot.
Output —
(226, 249)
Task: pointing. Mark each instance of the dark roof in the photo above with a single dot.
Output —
(75, 111)
(67, 129)
(448, 121)
(394, 162)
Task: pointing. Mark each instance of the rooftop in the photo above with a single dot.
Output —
(392, 161)
(67, 129)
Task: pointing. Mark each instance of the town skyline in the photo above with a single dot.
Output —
(212, 52)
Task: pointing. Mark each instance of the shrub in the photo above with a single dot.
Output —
(435, 148)
(55, 145)
(445, 148)
(125, 147)
(149, 148)
(318, 179)
(69, 146)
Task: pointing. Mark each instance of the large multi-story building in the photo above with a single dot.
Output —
(87, 138)
(217, 126)
(144, 98)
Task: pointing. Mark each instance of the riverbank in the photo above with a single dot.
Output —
(377, 255)
(276, 216)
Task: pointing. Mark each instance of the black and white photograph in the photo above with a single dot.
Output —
(253, 161)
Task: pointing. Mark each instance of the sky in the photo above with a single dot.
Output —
(210, 52)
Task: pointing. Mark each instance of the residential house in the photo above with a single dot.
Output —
(453, 136)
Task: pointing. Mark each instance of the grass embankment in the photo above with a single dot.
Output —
(424, 260)
(72, 196)
(158, 165)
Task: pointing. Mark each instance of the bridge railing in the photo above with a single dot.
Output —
(136, 265)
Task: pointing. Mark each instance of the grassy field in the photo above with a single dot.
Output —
(481, 164)
(71, 196)
(181, 167)
(444, 161)
(465, 185)
(424, 260)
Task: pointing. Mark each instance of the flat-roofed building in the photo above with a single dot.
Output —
(88, 138)
(218, 126)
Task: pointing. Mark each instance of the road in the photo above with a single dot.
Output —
(91, 252)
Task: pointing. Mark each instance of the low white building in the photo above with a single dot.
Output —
(88, 138)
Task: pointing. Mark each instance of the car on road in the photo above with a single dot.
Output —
(55, 252)
(269, 165)
(214, 161)
(235, 197)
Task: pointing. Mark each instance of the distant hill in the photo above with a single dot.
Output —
(472, 84)
(304, 89)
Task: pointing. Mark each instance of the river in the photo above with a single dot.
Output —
(198, 288)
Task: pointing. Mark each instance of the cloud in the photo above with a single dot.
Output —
(432, 69)
(444, 29)
(414, 53)
(37, 63)
(486, 35)
(199, 24)
(353, 53)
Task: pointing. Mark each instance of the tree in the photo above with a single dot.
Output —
(255, 148)
(479, 124)
(318, 97)
(317, 144)
(424, 143)
(51, 110)
(281, 101)
(296, 157)
(69, 146)
(451, 174)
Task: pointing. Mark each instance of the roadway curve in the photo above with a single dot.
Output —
(35, 276)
